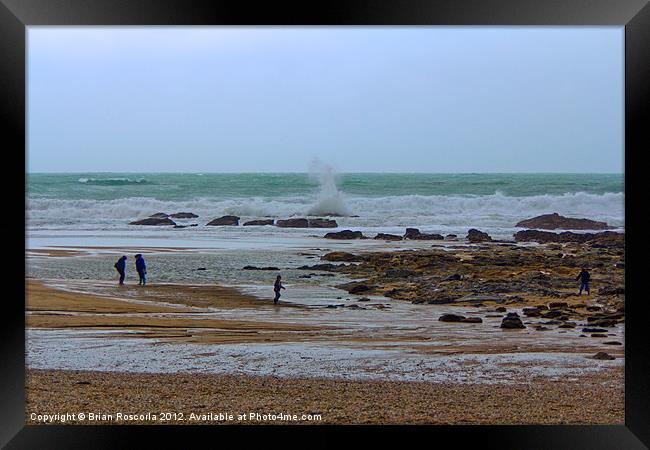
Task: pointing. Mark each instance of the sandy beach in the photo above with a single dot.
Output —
(593, 400)
(357, 358)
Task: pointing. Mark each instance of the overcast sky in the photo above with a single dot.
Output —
(366, 99)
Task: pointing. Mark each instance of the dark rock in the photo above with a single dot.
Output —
(180, 226)
(451, 318)
(341, 256)
(451, 237)
(159, 215)
(603, 355)
(414, 233)
(512, 321)
(154, 221)
(293, 223)
(260, 222)
(224, 220)
(555, 221)
(322, 223)
(259, 268)
(388, 237)
(593, 330)
(364, 299)
(474, 235)
(501, 309)
(613, 343)
(201, 268)
(454, 277)
(598, 335)
(183, 215)
(345, 234)
(568, 325)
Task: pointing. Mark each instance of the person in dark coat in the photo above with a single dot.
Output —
(584, 278)
(120, 266)
(276, 287)
(141, 268)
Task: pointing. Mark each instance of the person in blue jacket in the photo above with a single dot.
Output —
(120, 266)
(141, 268)
(584, 278)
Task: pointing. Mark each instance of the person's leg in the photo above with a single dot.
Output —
(587, 287)
(122, 277)
(277, 297)
(580, 290)
(144, 278)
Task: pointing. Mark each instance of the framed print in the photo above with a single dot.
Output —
(306, 219)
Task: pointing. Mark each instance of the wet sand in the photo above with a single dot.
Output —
(595, 399)
(52, 308)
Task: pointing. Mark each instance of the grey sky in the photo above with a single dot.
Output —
(411, 99)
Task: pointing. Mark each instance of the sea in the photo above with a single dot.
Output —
(103, 204)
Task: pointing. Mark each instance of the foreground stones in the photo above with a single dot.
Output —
(155, 221)
(341, 256)
(555, 221)
(603, 356)
(459, 318)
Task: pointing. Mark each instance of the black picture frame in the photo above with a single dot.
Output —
(634, 15)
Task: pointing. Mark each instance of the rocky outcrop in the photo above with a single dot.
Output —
(555, 221)
(159, 215)
(605, 238)
(154, 221)
(322, 223)
(183, 215)
(388, 237)
(474, 235)
(260, 222)
(299, 222)
(224, 220)
(512, 321)
(414, 233)
(259, 268)
(341, 256)
(345, 234)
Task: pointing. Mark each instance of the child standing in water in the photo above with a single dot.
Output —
(276, 287)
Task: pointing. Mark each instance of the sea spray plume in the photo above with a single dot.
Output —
(330, 201)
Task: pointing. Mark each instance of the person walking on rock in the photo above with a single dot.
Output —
(120, 266)
(141, 268)
(584, 278)
(276, 287)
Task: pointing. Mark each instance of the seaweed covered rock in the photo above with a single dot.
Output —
(154, 221)
(224, 220)
(512, 321)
